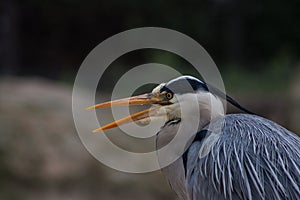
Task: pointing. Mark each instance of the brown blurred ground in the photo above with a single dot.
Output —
(41, 156)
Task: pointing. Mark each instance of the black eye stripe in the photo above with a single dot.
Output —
(188, 84)
(184, 85)
(165, 89)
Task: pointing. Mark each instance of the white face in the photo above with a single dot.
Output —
(191, 106)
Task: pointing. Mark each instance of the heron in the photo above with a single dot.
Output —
(250, 157)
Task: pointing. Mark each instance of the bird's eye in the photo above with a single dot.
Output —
(169, 95)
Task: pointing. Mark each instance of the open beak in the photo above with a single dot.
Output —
(136, 100)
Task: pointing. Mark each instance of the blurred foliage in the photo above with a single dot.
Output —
(273, 77)
(51, 38)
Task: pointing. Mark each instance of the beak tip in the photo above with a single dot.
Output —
(89, 108)
(97, 130)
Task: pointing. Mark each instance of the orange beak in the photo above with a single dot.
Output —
(136, 100)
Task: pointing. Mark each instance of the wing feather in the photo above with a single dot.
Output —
(254, 158)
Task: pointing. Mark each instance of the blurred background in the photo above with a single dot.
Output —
(255, 44)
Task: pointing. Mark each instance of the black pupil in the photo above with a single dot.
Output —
(169, 95)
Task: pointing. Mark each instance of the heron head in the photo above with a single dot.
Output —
(169, 99)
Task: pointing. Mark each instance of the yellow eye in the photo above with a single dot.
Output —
(169, 95)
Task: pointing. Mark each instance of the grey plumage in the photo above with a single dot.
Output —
(253, 158)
